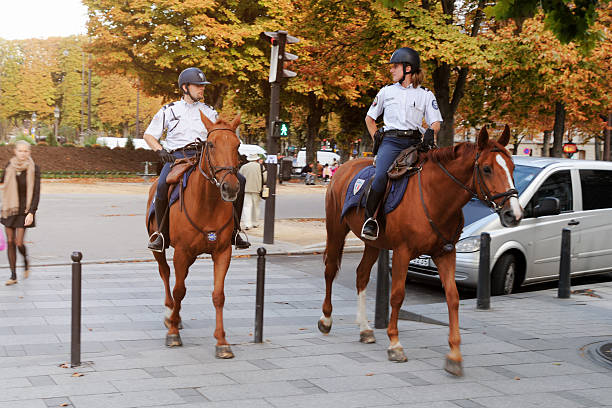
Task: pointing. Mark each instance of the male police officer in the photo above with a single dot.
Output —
(183, 125)
(404, 105)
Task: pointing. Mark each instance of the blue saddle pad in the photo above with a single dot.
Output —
(355, 196)
(174, 196)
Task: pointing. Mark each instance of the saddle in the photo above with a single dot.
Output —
(404, 164)
(179, 167)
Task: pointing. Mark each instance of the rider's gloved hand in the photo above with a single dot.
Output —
(428, 138)
(165, 157)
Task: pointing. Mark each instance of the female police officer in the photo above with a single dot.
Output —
(183, 125)
(404, 105)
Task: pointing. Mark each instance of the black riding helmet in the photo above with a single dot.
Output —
(191, 76)
(406, 56)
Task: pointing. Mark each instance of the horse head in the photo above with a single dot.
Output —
(220, 156)
(493, 179)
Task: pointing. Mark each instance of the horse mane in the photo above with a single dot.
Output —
(446, 154)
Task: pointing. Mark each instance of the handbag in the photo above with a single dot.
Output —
(265, 191)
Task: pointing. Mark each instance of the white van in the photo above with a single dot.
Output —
(556, 194)
(323, 156)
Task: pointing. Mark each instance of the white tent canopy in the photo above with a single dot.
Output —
(112, 142)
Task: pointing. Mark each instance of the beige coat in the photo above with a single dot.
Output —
(252, 173)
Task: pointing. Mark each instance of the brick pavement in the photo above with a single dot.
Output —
(526, 352)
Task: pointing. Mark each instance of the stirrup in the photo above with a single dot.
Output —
(152, 238)
(368, 237)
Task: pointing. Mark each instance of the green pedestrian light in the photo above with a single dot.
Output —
(284, 129)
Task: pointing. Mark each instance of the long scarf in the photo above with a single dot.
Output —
(10, 198)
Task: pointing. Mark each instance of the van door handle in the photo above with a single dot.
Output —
(573, 222)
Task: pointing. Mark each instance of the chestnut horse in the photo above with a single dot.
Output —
(202, 223)
(428, 220)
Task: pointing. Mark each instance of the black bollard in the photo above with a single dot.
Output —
(259, 296)
(483, 291)
(565, 264)
(381, 315)
(75, 343)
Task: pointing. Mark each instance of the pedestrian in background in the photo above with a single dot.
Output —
(308, 173)
(326, 173)
(21, 193)
(255, 176)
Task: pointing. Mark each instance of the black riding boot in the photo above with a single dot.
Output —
(157, 244)
(370, 228)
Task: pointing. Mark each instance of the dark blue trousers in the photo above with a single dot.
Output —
(389, 149)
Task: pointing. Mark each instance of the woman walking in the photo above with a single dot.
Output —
(21, 193)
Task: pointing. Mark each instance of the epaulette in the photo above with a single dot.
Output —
(424, 88)
(167, 105)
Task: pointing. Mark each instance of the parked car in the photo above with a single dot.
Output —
(556, 194)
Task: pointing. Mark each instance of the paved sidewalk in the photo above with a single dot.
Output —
(525, 352)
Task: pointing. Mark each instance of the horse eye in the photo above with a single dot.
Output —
(210, 144)
(487, 170)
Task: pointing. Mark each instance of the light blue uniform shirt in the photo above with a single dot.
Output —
(405, 108)
(182, 122)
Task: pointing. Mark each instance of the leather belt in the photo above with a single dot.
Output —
(413, 133)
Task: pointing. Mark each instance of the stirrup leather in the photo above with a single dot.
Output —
(375, 221)
(153, 237)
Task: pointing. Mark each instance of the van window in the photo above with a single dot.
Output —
(596, 189)
(558, 185)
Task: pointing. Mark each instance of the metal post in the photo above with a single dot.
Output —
(83, 95)
(483, 291)
(270, 209)
(565, 265)
(75, 343)
(259, 294)
(381, 315)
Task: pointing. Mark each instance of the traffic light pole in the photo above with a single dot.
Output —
(277, 73)
(271, 168)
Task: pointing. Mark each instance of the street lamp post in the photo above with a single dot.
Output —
(56, 113)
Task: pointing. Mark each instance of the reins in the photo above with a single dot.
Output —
(477, 180)
(204, 153)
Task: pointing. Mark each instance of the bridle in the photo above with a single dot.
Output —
(210, 172)
(477, 181)
(480, 184)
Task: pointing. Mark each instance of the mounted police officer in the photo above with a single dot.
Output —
(183, 125)
(404, 105)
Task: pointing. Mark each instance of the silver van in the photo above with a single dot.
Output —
(556, 194)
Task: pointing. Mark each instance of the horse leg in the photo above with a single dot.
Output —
(221, 264)
(182, 262)
(370, 254)
(336, 234)
(446, 269)
(399, 270)
(164, 272)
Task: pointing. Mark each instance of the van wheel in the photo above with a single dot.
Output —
(503, 278)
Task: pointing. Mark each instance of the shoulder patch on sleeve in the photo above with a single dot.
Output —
(434, 104)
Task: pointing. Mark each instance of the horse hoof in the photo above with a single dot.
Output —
(167, 324)
(397, 354)
(454, 367)
(173, 340)
(323, 328)
(224, 352)
(367, 336)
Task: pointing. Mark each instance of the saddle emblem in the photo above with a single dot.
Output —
(358, 185)
(212, 236)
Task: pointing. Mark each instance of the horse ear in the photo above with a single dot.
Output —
(483, 138)
(505, 136)
(207, 122)
(235, 122)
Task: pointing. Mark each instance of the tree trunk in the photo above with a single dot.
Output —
(315, 112)
(546, 143)
(558, 129)
(126, 130)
